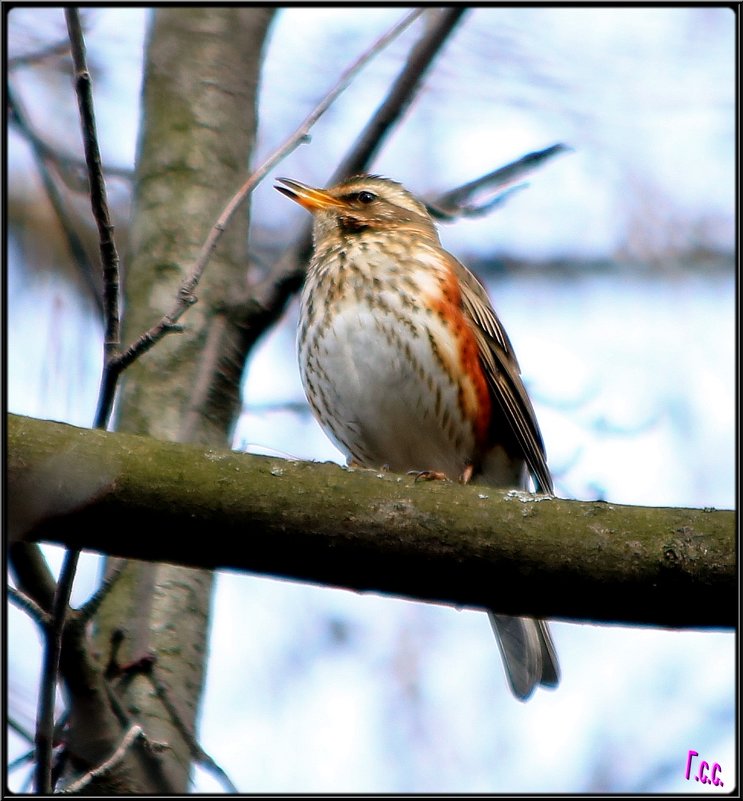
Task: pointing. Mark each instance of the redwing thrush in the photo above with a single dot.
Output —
(406, 365)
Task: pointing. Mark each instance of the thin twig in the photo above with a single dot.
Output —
(22, 760)
(26, 786)
(146, 667)
(197, 752)
(22, 601)
(454, 203)
(92, 605)
(71, 169)
(58, 204)
(20, 730)
(31, 573)
(470, 210)
(53, 648)
(185, 297)
(131, 736)
(269, 407)
(116, 706)
(99, 204)
(401, 94)
(59, 48)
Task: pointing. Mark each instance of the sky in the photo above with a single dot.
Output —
(631, 369)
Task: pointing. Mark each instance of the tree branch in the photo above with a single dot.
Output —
(92, 742)
(88, 611)
(74, 242)
(198, 754)
(28, 605)
(464, 545)
(52, 651)
(129, 738)
(52, 50)
(21, 731)
(402, 92)
(99, 204)
(458, 202)
(71, 168)
(30, 570)
(134, 733)
(19, 762)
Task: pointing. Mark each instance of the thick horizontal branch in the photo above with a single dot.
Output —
(519, 554)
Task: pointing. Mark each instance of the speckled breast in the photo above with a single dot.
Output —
(385, 360)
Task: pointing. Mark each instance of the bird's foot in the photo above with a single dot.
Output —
(428, 475)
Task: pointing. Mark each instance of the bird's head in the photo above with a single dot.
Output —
(362, 203)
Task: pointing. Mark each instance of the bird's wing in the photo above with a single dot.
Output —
(504, 375)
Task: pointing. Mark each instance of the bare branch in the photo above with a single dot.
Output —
(23, 759)
(99, 204)
(455, 203)
(22, 601)
(471, 210)
(518, 553)
(31, 573)
(92, 605)
(82, 675)
(20, 730)
(401, 93)
(53, 648)
(197, 752)
(60, 48)
(58, 204)
(127, 741)
(71, 169)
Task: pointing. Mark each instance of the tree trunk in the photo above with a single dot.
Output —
(198, 132)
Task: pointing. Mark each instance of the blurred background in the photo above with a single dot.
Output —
(614, 275)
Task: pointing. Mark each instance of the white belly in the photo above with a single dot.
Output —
(370, 382)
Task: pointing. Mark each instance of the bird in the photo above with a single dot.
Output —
(407, 367)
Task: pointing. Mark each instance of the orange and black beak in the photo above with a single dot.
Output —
(307, 196)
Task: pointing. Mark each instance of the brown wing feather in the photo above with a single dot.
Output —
(504, 375)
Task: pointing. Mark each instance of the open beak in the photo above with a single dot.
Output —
(307, 196)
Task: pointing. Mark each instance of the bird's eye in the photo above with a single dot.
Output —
(366, 197)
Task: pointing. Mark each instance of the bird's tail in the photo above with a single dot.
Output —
(528, 653)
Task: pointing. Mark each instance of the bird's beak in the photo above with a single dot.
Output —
(307, 196)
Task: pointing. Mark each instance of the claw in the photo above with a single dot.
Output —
(428, 475)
